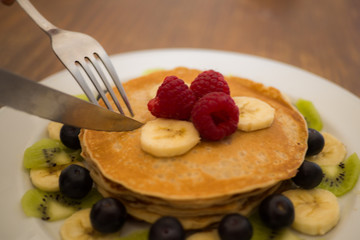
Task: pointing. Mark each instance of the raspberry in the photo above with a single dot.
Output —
(173, 100)
(215, 116)
(209, 81)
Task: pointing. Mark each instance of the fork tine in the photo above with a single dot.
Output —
(93, 79)
(102, 55)
(95, 62)
(81, 81)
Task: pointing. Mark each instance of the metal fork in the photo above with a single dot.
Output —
(81, 53)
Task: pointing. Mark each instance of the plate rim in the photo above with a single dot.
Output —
(171, 51)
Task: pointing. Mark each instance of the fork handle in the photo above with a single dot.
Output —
(44, 24)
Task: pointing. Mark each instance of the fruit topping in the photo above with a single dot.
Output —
(207, 235)
(69, 136)
(315, 142)
(276, 211)
(235, 227)
(75, 181)
(309, 175)
(54, 129)
(341, 178)
(209, 92)
(54, 206)
(49, 153)
(316, 210)
(173, 100)
(255, 114)
(167, 228)
(215, 116)
(310, 113)
(78, 226)
(333, 152)
(108, 215)
(82, 97)
(261, 231)
(47, 179)
(167, 138)
(340, 174)
(207, 82)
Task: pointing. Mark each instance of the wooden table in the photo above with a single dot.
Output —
(321, 36)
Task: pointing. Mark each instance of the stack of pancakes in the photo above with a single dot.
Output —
(213, 178)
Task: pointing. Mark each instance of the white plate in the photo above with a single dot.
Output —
(339, 108)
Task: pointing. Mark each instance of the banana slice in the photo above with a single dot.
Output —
(168, 138)
(316, 211)
(54, 130)
(47, 179)
(255, 114)
(213, 235)
(78, 227)
(333, 153)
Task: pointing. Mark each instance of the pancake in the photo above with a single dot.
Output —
(231, 175)
(106, 185)
(196, 221)
(199, 217)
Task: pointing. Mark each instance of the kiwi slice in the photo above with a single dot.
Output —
(262, 232)
(82, 97)
(341, 178)
(49, 153)
(137, 235)
(54, 206)
(310, 113)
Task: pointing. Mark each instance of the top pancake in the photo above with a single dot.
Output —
(242, 162)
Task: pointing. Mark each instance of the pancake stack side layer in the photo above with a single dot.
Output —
(213, 178)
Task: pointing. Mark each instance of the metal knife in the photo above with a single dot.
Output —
(36, 99)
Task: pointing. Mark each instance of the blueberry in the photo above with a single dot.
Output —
(75, 181)
(277, 211)
(315, 142)
(108, 215)
(167, 228)
(235, 227)
(309, 175)
(69, 136)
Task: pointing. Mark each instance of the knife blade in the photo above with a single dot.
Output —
(34, 98)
